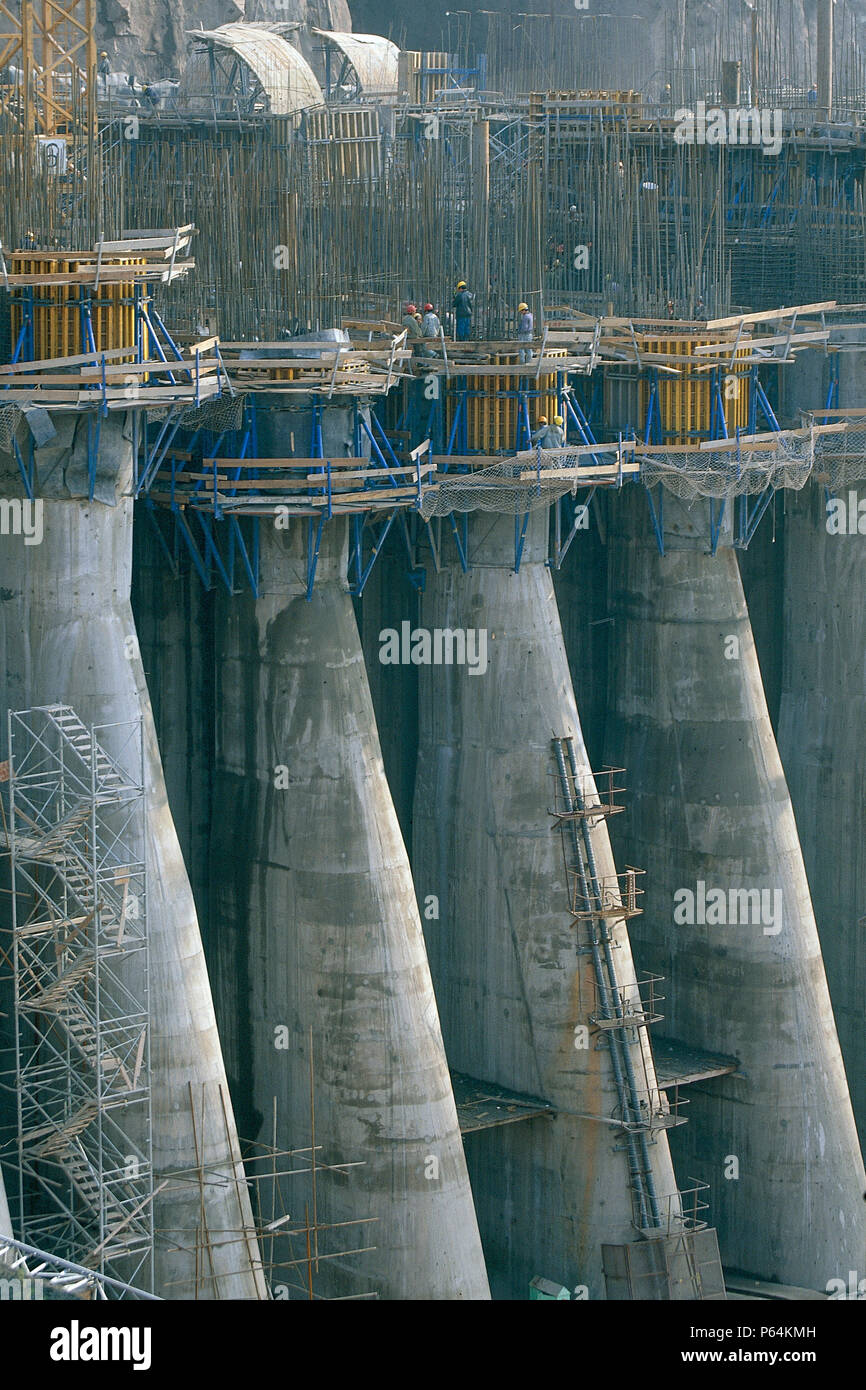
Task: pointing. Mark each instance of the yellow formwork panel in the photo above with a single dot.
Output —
(492, 405)
(685, 401)
(56, 316)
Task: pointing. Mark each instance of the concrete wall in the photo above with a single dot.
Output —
(510, 983)
(67, 635)
(316, 932)
(709, 803)
(822, 707)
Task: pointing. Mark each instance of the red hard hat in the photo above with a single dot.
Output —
(410, 309)
(428, 308)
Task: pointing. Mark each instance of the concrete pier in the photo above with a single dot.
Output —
(822, 708)
(511, 986)
(67, 635)
(709, 813)
(317, 942)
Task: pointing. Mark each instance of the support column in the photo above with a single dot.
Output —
(512, 988)
(318, 943)
(709, 812)
(822, 710)
(67, 636)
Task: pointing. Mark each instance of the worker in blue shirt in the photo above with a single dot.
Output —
(525, 329)
(462, 304)
(548, 436)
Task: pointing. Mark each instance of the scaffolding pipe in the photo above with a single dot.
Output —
(652, 1197)
(609, 1010)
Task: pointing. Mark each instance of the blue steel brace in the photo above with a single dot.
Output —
(182, 526)
(379, 541)
(653, 425)
(832, 404)
(355, 554)
(833, 388)
(519, 539)
(462, 543)
(581, 510)
(167, 336)
(657, 518)
(766, 409)
(524, 429)
(316, 445)
(386, 441)
(94, 427)
(249, 565)
(314, 540)
(377, 450)
(212, 548)
(716, 522)
(416, 574)
(749, 521)
(455, 423)
(154, 459)
(27, 474)
(150, 513)
(752, 427)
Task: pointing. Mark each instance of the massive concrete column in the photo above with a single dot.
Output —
(175, 633)
(318, 943)
(67, 635)
(822, 709)
(511, 985)
(709, 810)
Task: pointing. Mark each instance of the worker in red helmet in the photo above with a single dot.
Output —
(412, 328)
(431, 328)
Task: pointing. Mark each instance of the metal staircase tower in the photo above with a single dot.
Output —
(75, 835)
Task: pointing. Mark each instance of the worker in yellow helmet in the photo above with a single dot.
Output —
(104, 64)
(463, 304)
(548, 436)
(525, 330)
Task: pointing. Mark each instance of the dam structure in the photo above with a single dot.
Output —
(429, 544)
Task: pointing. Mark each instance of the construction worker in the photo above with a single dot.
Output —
(525, 329)
(412, 327)
(548, 436)
(104, 64)
(430, 328)
(430, 324)
(462, 304)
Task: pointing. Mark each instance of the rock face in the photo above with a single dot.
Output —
(150, 36)
(423, 26)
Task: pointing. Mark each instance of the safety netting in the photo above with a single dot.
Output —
(9, 417)
(840, 453)
(516, 485)
(219, 416)
(778, 460)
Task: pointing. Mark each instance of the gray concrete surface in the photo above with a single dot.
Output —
(511, 987)
(708, 803)
(316, 938)
(67, 635)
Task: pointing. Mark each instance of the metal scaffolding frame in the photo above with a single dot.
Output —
(75, 832)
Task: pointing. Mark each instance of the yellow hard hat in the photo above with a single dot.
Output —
(103, 54)
(521, 307)
(557, 419)
(461, 284)
(542, 419)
